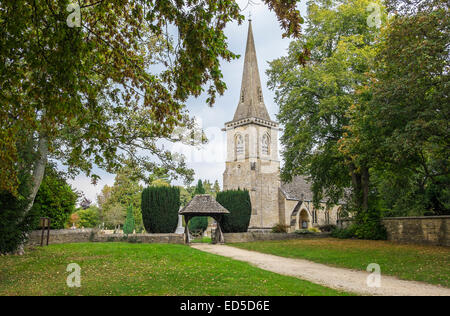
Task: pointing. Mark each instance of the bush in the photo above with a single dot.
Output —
(280, 228)
(14, 223)
(198, 223)
(303, 232)
(160, 206)
(345, 233)
(327, 228)
(128, 227)
(240, 207)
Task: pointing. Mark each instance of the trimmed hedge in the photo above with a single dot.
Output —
(160, 206)
(240, 207)
(198, 223)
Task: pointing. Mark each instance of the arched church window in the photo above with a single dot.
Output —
(260, 96)
(265, 144)
(239, 145)
(242, 97)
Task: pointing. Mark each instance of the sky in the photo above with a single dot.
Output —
(209, 161)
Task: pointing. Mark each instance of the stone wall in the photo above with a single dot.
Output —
(65, 236)
(433, 230)
(424, 230)
(254, 236)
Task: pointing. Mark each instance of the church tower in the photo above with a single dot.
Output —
(252, 147)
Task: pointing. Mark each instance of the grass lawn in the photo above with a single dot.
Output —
(142, 269)
(410, 262)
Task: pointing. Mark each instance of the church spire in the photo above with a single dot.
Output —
(251, 101)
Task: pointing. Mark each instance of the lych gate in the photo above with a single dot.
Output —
(203, 205)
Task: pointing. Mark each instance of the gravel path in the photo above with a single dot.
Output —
(336, 278)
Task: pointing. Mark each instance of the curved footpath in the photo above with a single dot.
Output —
(336, 278)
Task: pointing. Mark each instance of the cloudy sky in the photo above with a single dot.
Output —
(209, 162)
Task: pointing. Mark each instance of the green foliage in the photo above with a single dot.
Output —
(89, 217)
(367, 225)
(15, 223)
(315, 99)
(160, 206)
(303, 232)
(114, 201)
(280, 228)
(344, 233)
(198, 223)
(238, 203)
(128, 227)
(199, 189)
(55, 199)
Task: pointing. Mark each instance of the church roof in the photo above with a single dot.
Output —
(251, 101)
(203, 204)
(299, 189)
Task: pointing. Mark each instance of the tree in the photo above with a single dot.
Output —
(126, 190)
(84, 94)
(216, 188)
(160, 206)
(315, 100)
(87, 218)
(199, 189)
(115, 216)
(238, 203)
(55, 199)
(403, 125)
(128, 227)
(185, 196)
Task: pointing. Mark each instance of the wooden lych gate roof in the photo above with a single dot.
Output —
(203, 204)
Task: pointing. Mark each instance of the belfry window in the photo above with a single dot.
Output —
(266, 144)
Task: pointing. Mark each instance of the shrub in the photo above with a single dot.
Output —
(280, 228)
(303, 232)
(128, 227)
(327, 228)
(198, 223)
(240, 207)
(160, 207)
(344, 233)
(14, 223)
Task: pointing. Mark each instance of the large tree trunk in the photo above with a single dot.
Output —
(365, 188)
(37, 176)
(38, 169)
(357, 185)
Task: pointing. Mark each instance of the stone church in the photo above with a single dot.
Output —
(253, 163)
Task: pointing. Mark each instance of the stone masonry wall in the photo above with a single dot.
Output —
(65, 236)
(426, 230)
(433, 230)
(260, 236)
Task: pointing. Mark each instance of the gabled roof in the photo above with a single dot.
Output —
(203, 204)
(251, 101)
(299, 189)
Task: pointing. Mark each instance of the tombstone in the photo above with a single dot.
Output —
(180, 228)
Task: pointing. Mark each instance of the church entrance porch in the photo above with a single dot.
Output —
(304, 222)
